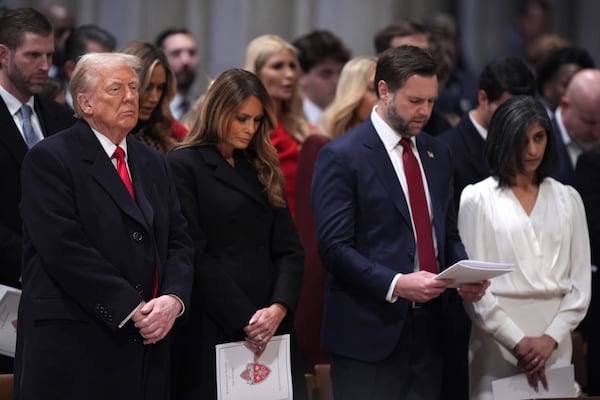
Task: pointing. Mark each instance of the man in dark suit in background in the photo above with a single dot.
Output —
(381, 247)
(500, 80)
(586, 183)
(84, 39)
(106, 262)
(26, 48)
(577, 122)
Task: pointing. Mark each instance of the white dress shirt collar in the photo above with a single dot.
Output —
(312, 112)
(389, 137)
(108, 146)
(12, 103)
(480, 129)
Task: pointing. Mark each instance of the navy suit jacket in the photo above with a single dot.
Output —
(565, 173)
(466, 146)
(53, 118)
(366, 237)
(90, 254)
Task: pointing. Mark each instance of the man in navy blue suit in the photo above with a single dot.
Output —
(382, 308)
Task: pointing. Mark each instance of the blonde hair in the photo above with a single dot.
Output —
(258, 51)
(224, 97)
(88, 72)
(338, 118)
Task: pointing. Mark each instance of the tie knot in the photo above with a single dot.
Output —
(406, 144)
(25, 111)
(119, 154)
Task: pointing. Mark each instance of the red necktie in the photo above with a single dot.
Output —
(418, 208)
(119, 155)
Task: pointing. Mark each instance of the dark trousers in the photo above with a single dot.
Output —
(412, 372)
(455, 339)
(6, 364)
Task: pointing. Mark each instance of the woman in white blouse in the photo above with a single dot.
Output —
(520, 215)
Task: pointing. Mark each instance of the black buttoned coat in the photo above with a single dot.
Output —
(247, 256)
(90, 255)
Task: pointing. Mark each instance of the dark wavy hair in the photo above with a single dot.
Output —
(506, 139)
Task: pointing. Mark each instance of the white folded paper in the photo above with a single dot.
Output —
(469, 271)
(561, 383)
(240, 377)
(9, 308)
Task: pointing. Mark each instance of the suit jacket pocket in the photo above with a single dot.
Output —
(57, 308)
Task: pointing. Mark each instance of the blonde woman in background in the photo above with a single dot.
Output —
(354, 100)
(156, 125)
(275, 62)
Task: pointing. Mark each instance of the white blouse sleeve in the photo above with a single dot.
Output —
(575, 302)
(477, 234)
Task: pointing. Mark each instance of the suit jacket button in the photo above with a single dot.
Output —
(137, 236)
(139, 289)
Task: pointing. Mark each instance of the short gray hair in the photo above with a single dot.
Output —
(88, 69)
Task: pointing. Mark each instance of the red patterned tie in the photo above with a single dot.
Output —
(119, 155)
(418, 208)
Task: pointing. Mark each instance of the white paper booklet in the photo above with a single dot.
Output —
(9, 308)
(239, 377)
(469, 271)
(561, 383)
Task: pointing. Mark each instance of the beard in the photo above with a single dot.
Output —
(185, 78)
(397, 122)
(22, 82)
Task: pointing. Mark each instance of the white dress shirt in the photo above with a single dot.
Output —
(391, 142)
(14, 107)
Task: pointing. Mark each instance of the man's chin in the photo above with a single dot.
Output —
(35, 89)
(185, 81)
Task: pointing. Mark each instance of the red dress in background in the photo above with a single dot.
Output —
(178, 130)
(309, 311)
(288, 151)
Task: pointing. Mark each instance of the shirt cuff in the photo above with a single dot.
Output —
(127, 318)
(390, 293)
(182, 304)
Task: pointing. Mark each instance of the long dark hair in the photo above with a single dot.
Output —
(506, 139)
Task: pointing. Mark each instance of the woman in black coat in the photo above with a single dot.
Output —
(248, 261)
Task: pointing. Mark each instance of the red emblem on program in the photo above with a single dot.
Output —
(255, 373)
